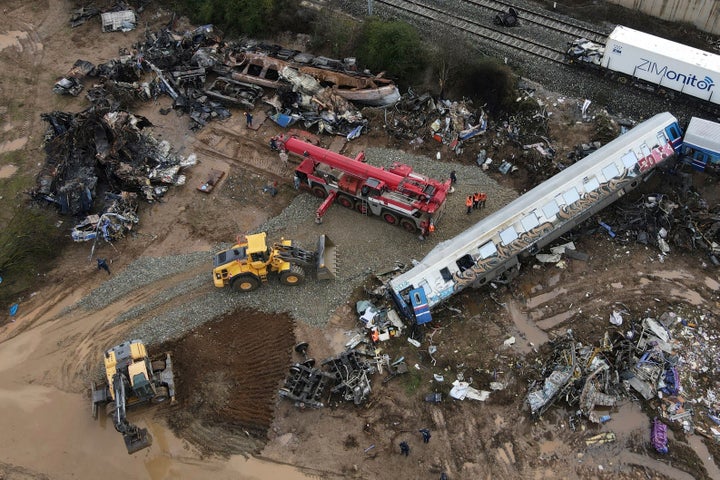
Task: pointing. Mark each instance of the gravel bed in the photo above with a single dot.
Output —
(365, 246)
(142, 272)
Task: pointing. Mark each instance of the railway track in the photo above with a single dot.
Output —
(563, 25)
(500, 36)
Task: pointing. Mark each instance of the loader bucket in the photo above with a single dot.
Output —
(326, 259)
(137, 440)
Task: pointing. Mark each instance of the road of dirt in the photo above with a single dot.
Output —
(226, 401)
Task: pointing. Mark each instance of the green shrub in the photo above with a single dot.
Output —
(29, 241)
(394, 47)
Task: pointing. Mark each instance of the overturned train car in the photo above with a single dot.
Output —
(491, 249)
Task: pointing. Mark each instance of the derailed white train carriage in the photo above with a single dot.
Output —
(491, 249)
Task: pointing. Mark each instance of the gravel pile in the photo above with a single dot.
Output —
(364, 245)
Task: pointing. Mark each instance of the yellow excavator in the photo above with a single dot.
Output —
(248, 263)
(132, 378)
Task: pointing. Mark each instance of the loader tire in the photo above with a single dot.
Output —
(162, 394)
(245, 283)
(295, 275)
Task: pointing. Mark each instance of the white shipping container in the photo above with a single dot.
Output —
(668, 64)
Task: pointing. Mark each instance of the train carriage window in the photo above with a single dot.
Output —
(465, 262)
(645, 150)
(591, 184)
(571, 196)
(610, 172)
(508, 235)
(550, 209)
(445, 273)
(529, 222)
(629, 160)
(487, 250)
(662, 138)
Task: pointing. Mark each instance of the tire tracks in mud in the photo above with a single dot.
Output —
(91, 332)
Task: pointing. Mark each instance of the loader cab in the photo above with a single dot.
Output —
(257, 250)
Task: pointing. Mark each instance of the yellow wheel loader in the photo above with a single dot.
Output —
(132, 378)
(247, 264)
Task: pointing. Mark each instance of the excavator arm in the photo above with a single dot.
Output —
(136, 438)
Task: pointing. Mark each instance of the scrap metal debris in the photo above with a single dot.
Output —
(117, 218)
(666, 221)
(669, 362)
(109, 153)
(347, 376)
(316, 90)
(450, 123)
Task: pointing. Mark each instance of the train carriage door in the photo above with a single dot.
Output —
(675, 135)
(420, 306)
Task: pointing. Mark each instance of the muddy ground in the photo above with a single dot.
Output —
(229, 370)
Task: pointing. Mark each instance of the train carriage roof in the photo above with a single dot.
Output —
(449, 250)
(703, 134)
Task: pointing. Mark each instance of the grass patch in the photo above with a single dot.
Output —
(411, 382)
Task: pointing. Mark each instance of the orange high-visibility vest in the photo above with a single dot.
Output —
(476, 197)
(482, 197)
(469, 201)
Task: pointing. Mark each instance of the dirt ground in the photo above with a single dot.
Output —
(227, 421)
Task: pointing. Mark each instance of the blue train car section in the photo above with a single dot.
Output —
(701, 144)
(491, 250)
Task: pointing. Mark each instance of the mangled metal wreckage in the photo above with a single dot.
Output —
(316, 90)
(346, 376)
(107, 153)
(586, 377)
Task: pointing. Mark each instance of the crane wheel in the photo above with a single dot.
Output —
(390, 218)
(245, 283)
(295, 275)
(162, 394)
(362, 207)
(408, 225)
(345, 201)
(319, 192)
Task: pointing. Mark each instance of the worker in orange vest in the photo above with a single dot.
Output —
(469, 203)
(481, 200)
(476, 200)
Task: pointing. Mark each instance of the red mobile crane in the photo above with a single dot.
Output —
(398, 195)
